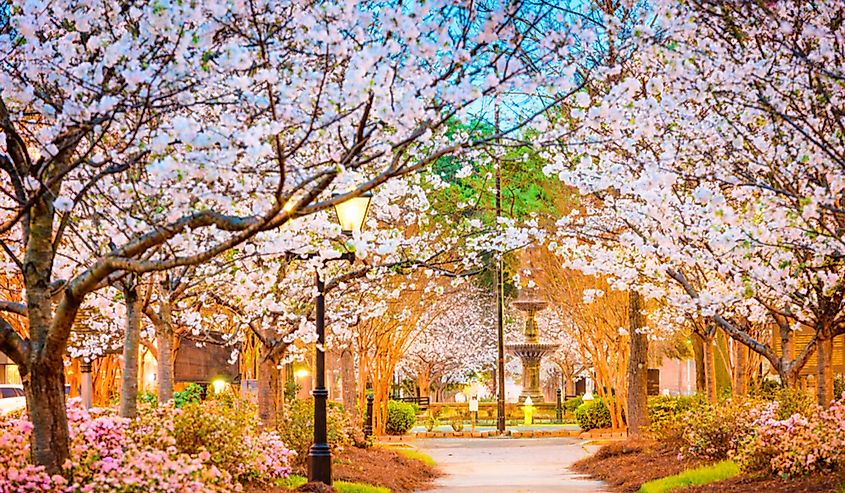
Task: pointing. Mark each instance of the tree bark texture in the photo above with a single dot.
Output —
(709, 347)
(44, 381)
(637, 369)
(349, 385)
(131, 346)
(164, 343)
(740, 380)
(824, 369)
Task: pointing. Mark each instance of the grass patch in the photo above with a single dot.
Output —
(295, 481)
(344, 487)
(700, 475)
(292, 482)
(416, 454)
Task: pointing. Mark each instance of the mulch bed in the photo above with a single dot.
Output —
(625, 466)
(811, 484)
(375, 466)
(383, 467)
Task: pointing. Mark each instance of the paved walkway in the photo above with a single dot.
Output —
(509, 465)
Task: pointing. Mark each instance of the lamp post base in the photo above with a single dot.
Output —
(320, 464)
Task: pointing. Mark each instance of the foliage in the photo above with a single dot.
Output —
(665, 414)
(191, 395)
(839, 386)
(593, 414)
(570, 405)
(291, 390)
(230, 435)
(149, 398)
(296, 427)
(700, 475)
(401, 417)
(110, 454)
(714, 431)
(431, 422)
(458, 423)
(797, 445)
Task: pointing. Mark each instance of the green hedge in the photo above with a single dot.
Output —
(593, 414)
(401, 417)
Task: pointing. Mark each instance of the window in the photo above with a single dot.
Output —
(7, 393)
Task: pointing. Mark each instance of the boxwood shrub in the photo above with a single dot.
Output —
(401, 417)
(593, 414)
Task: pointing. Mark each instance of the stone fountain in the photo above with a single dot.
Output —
(531, 351)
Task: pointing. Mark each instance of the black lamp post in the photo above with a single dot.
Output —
(350, 214)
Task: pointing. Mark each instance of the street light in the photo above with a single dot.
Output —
(351, 214)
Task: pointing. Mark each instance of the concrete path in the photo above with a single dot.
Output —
(512, 465)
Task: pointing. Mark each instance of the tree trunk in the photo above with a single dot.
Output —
(637, 369)
(709, 347)
(740, 380)
(131, 343)
(424, 381)
(270, 384)
(698, 353)
(45, 396)
(570, 386)
(44, 381)
(164, 343)
(347, 377)
(824, 369)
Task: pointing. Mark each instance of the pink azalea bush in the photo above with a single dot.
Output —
(797, 445)
(157, 452)
(17, 474)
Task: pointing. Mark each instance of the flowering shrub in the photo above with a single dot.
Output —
(296, 427)
(713, 431)
(796, 445)
(665, 414)
(155, 453)
(232, 437)
(16, 473)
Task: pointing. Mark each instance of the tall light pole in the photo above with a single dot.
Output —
(500, 303)
(351, 215)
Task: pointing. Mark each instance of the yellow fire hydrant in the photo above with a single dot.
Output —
(528, 411)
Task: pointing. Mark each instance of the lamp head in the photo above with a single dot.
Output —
(352, 213)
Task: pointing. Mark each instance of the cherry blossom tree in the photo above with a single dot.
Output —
(459, 342)
(717, 169)
(141, 137)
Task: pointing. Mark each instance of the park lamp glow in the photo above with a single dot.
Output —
(352, 212)
(218, 385)
(301, 373)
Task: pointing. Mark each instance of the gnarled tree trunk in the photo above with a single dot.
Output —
(45, 395)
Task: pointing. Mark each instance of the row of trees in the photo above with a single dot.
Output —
(162, 162)
(167, 157)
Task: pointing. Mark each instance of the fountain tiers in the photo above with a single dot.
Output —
(531, 351)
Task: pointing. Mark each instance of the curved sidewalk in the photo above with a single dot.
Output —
(500, 465)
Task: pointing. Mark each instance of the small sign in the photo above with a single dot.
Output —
(473, 404)
(653, 382)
